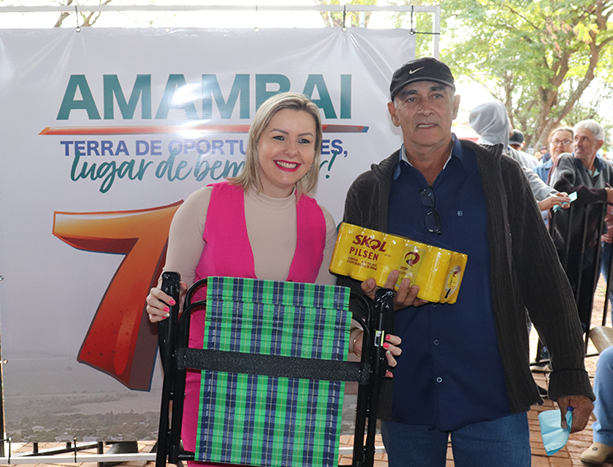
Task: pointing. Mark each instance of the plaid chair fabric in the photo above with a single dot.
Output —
(267, 421)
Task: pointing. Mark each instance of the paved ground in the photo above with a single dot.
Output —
(567, 457)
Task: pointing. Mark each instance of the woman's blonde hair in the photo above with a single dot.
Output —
(249, 177)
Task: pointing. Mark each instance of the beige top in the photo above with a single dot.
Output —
(271, 227)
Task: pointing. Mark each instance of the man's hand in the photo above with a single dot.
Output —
(609, 195)
(582, 409)
(405, 296)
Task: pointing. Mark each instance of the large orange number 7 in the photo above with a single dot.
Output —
(120, 340)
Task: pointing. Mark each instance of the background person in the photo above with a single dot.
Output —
(602, 448)
(542, 154)
(590, 177)
(491, 122)
(560, 142)
(516, 142)
(458, 195)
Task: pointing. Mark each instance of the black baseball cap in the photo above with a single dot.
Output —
(421, 69)
(516, 138)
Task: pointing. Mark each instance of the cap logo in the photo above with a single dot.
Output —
(416, 70)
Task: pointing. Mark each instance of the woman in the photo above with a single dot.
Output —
(560, 141)
(261, 224)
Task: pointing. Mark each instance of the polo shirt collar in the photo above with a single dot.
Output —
(456, 151)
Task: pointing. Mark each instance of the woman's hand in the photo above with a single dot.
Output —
(559, 199)
(405, 296)
(392, 350)
(391, 346)
(159, 303)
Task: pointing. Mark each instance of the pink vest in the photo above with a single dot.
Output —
(227, 252)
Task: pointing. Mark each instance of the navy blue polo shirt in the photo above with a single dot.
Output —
(450, 373)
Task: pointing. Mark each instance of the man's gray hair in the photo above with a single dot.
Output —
(592, 125)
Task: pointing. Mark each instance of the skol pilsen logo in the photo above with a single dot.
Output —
(369, 242)
(412, 258)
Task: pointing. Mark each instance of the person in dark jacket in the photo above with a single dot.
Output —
(463, 372)
(590, 178)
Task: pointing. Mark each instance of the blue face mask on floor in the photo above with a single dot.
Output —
(554, 436)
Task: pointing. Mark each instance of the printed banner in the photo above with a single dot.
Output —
(104, 133)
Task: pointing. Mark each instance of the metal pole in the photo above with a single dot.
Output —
(436, 31)
(2, 427)
(175, 8)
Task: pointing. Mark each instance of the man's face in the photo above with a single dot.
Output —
(586, 146)
(424, 111)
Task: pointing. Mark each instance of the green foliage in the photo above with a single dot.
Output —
(419, 23)
(538, 57)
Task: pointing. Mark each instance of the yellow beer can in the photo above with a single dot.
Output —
(364, 253)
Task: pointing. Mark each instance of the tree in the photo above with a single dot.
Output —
(538, 57)
(87, 19)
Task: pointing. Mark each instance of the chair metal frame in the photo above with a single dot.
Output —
(177, 357)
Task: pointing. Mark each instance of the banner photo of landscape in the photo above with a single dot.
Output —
(104, 133)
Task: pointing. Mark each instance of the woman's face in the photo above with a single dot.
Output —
(560, 142)
(286, 150)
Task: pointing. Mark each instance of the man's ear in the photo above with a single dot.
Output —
(599, 144)
(392, 110)
(456, 105)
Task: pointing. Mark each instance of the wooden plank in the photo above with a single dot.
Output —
(602, 337)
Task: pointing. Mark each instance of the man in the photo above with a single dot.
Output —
(464, 370)
(516, 140)
(542, 154)
(590, 177)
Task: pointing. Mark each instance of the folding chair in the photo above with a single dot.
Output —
(284, 369)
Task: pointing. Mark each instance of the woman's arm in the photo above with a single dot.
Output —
(185, 244)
